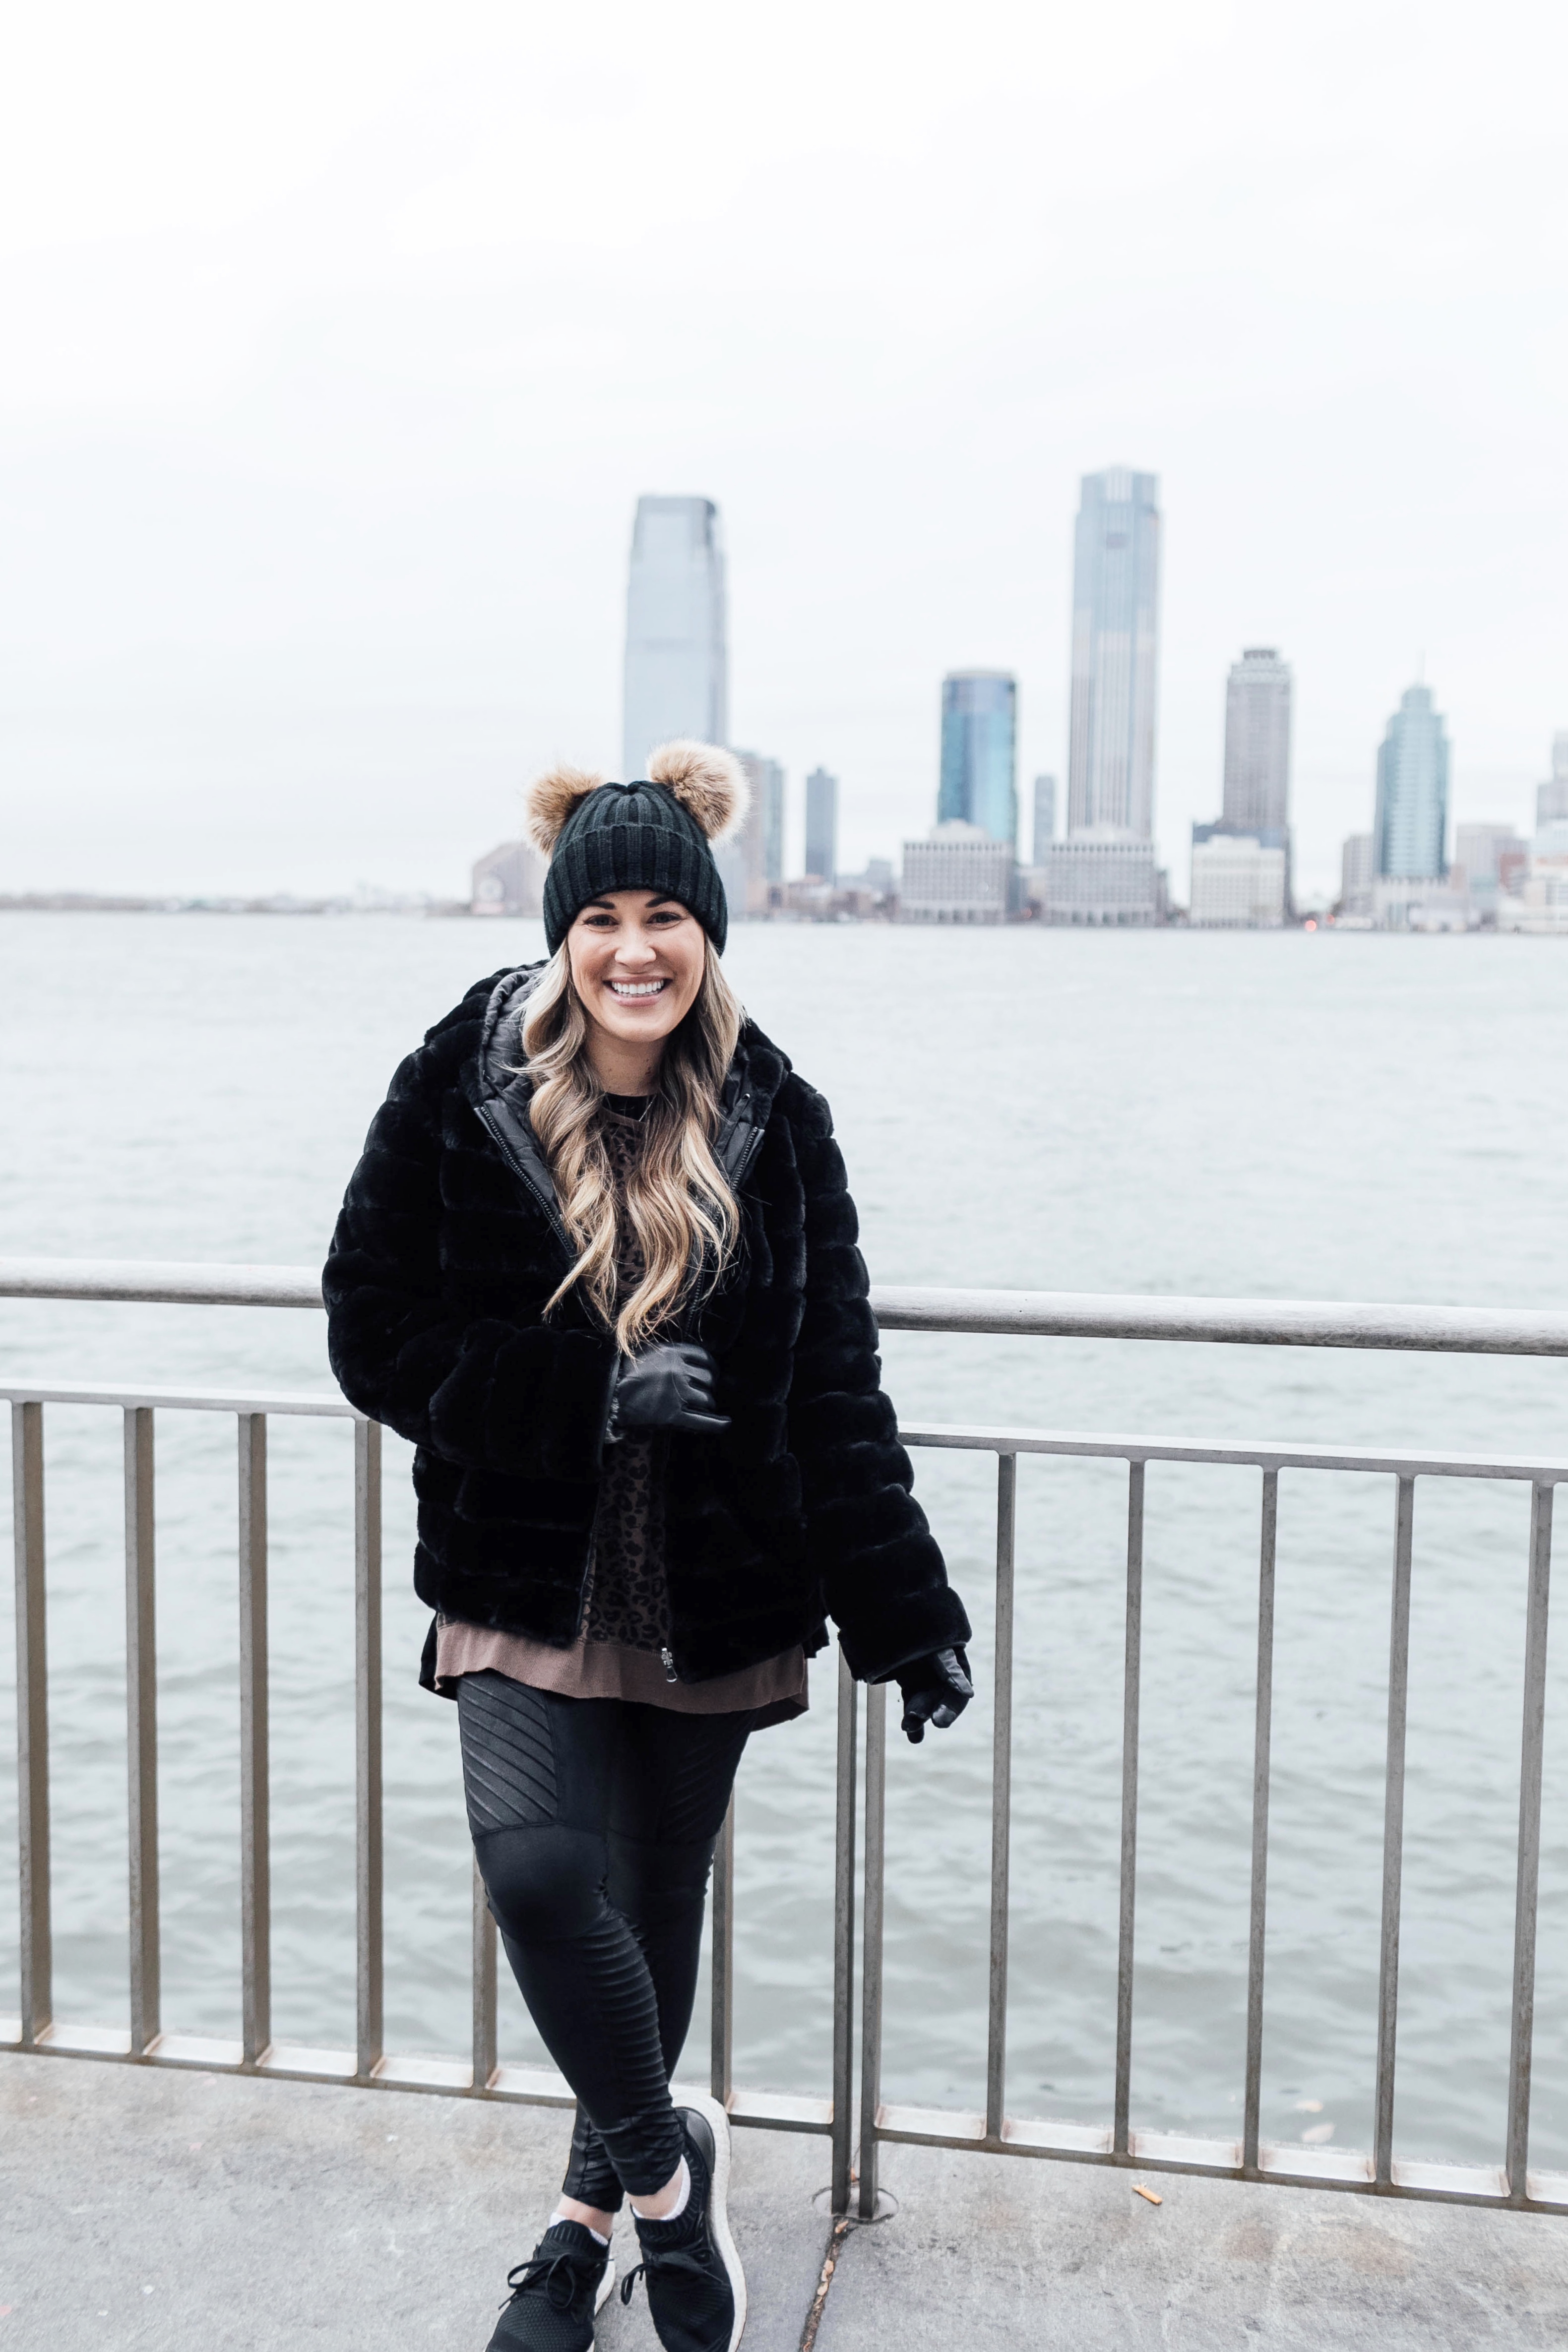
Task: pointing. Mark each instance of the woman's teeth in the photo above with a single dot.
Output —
(638, 987)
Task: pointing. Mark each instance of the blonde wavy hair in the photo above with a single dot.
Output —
(678, 1199)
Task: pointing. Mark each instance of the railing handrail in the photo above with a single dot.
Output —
(1041, 1314)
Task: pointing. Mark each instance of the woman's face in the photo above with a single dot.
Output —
(637, 962)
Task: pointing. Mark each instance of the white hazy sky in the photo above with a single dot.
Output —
(339, 340)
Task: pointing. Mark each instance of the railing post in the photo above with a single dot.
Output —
(1521, 2040)
(142, 1729)
(873, 1880)
(1000, 1796)
(1131, 1679)
(254, 1854)
(723, 2037)
(1393, 1834)
(368, 2001)
(32, 1722)
(1261, 1734)
(844, 1942)
(484, 1985)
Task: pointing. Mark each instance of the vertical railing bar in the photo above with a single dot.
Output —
(722, 2008)
(873, 1878)
(254, 1855)
(1262, 1732)
(142, 1729)
(1131, 1676)
(1393, 1835)
(1533, 1741)
(369, 2005)
(32, 1722)
(844, 1941)
(484, 1985)
(1000, 1796)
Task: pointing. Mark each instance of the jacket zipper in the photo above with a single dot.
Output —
(669, 1674)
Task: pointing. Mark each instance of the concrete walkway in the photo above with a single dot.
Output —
(197, 2212)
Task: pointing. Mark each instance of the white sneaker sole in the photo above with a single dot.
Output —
(606, 2287)
(719, 2207)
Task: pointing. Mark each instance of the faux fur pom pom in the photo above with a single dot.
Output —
(709, 782)
(549, 801)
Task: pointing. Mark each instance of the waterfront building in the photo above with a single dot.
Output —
(509, 881)
(1238, 880)
(1552, 797)
(821, 825)
(1358, 871)
(1258, 698)
(676, 671)
(1099, 875)
(751, 862)
(1045, 817)
(1491, 862)
(1115, 650)
(958, 874)
(979, 754)
(1411, 827)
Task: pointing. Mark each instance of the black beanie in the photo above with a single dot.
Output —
(652, 835)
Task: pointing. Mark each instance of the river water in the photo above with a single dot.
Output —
(1329, 1117)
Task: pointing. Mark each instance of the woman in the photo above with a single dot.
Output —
(598, 1262)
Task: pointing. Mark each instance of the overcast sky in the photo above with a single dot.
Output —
(341, 340)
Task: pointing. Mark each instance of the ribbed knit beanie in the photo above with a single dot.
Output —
(651, 835)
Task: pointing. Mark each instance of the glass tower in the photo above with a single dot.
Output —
(1045, 816)
(677, 676)
(822, 825)
(1258, 744)
(1411, 828)
(1115, 654)
(979, 752)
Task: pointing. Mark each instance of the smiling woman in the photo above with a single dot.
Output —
(599, 1263)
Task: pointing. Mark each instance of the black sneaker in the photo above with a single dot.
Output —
(555, 2295)
(696, 2287)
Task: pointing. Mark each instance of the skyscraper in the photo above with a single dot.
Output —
(979, 752)
(821, 824)
(1411, 827)
(1045, 816)
(751, 862)
(1257, 745)
(1115, 650)
(677, 676)
(1552, 798)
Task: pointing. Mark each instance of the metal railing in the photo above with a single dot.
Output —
(1247, 1322)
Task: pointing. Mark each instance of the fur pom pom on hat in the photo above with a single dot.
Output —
(654, 835)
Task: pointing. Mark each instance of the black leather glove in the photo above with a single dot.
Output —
(936, 1691)
(666, 1387)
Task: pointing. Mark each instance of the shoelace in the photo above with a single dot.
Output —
(558, 2276)
(673, 2258)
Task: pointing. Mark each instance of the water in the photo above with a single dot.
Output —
(1316, 1117)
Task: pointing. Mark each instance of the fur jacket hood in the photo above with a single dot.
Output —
(448, 1246)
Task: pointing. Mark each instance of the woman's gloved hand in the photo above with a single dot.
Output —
(666, 1387)
(936, 1691)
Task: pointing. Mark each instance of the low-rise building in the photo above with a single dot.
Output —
(1102, 875)
(1238, 881)
(957, 875)
(509, 881)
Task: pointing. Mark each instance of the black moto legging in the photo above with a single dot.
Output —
(594, 1821)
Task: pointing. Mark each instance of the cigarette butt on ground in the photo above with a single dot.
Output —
(1139, 2191)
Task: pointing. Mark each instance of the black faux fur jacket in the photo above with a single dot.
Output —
(448, 1247)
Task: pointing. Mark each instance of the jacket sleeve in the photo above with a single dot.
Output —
(883, 1578)
(409, 1348)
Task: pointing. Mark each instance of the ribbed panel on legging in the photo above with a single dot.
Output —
(509, 1753)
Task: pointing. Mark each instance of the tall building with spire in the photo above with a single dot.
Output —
(677, 672)
(1115, 654)
(1410, 830)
